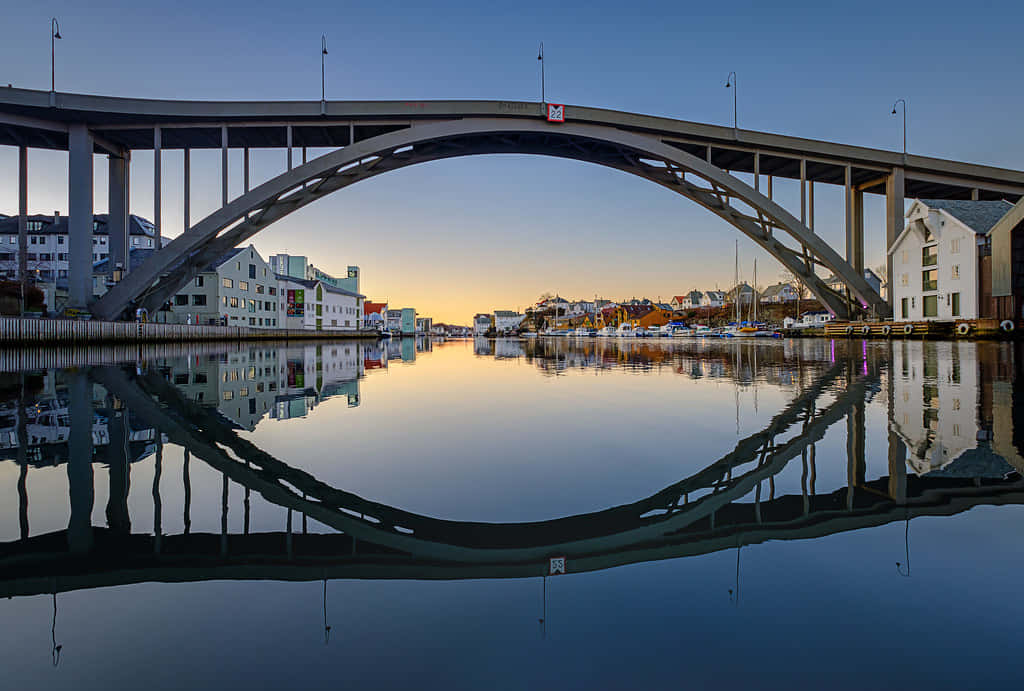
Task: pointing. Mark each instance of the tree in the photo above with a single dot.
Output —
(799, 287)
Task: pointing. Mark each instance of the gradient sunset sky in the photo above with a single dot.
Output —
(456, 237)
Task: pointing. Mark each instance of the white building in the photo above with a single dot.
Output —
(481, 324)
(317, 306)
(237, 289)
(935, 259)
(712, 298)
(507, 320)
(778, 293)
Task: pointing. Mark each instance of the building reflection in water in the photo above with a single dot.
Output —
(953, 444)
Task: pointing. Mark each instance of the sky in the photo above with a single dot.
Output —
(456, 237)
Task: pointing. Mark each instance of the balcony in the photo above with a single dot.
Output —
(929, 259)
(927, 286)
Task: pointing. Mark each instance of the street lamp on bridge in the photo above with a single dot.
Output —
(731, 82)
(323, 78)
(54, 35)
(904, 122)
(540, 56)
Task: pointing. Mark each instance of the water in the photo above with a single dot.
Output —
(731, 514)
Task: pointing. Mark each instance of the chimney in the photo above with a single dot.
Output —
(56, 217)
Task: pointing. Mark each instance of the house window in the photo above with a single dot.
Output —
(929, 280)
(904, 309)
(199, 281)
(905, 280)
(234, 302)
(929, 257)
(955, 274)
(199, 300)
(954, 246)
(252, 271)
(252, 305)
(34, 225)
(227, 283)
(60, 239)
(271, 290)
(135, 242)
(33, 240)
(181, 299)
(930, 305)
(243, 285)
(956, 304)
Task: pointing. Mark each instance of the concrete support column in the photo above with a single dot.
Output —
(224, 165)
(288, 137)
(23, 222)
(157, 159)
(80, 487)
(187, 190)
(854, 224)
(117, 217)
(757, 171)
(80, 216)
(245, 169)
(803, 191)
(770, 187)
(894, 190)
(810, 204)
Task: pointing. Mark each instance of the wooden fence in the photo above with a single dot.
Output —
(20, 331)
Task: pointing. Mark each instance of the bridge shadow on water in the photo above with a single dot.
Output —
(730, 503)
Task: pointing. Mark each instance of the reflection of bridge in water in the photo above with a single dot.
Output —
(732, 502)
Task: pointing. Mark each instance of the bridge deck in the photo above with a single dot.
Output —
(27, 118)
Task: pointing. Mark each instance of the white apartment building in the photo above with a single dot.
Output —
(935, 258)
(317, 306)
(237, 289)
(507, 320)
(47, 256)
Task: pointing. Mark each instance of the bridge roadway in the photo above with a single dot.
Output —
(695, 160)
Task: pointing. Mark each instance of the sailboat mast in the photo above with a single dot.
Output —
(736, 282)
(753, 295)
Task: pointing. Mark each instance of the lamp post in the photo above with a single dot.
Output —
(323, 68)
(731, 82)
(540, 56)
(54, 36)
(904, 122)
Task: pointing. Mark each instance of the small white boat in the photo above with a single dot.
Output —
(625, 330)
(581, 332)
(607, 331)
(682, 332)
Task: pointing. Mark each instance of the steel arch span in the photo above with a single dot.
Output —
(756, 215)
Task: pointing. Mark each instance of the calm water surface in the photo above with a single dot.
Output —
(733, 514)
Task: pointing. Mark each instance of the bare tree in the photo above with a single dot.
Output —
(799, 287)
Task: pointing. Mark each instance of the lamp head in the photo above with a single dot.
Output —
(728, 84)
(894, 110)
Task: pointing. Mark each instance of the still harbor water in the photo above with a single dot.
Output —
(513, 514)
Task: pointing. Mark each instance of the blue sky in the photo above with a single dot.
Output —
(477, 234)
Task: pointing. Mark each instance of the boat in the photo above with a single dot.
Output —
(625, 330)
(682, 332)
(607, 331)
(385, 333)
(583, 332)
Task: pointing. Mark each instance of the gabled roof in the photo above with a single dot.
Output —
(979, 216)
(136, 255)
(374, 307)
(59, 225)
(310, 284)
(506, 313)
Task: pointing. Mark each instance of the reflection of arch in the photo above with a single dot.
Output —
(672, 509)
(169, 269)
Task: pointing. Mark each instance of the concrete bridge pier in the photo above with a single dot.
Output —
(119, 169)
(80, 216)
(894, 194)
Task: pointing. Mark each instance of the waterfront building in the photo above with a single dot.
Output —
(236, 289)
(746, 295)
(778, 293)
(375, 315)
(1006, 267)
(316, 306)
(297, 266)
(507, 320)
(482, 323)
(936, 259)
(424, 325)
(712, 299)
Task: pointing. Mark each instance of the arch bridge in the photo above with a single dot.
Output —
(697, 161)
